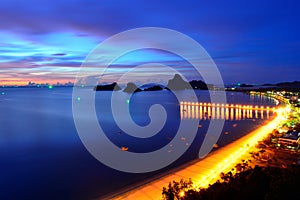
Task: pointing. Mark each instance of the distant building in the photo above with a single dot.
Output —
(294, 98)
(291, 140)
(31, 83)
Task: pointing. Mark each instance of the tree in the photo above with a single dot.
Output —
(177, 190)
(247, 183)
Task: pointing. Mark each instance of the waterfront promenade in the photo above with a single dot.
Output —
(207, 111)
(207, 170)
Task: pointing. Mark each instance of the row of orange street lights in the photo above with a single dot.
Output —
(250, 107)
(209, 112)
(241, 150)
(222, 160)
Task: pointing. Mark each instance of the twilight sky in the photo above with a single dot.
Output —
(251, 41)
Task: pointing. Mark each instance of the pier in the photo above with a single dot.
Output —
(207, 111)
(207, 170)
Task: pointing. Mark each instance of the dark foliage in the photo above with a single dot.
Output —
(248, 183)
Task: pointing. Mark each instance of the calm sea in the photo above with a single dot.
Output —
(42, 156)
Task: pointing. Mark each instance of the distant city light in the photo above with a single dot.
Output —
(50, 86)
(181, 194)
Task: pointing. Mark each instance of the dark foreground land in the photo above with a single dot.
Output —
(248, 183)
(272, 173)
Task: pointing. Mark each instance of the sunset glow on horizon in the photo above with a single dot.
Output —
(25, 82)
(47, 42)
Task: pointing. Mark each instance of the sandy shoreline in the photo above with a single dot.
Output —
(240, 145)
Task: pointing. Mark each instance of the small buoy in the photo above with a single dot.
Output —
(124, 148)
(169, 138)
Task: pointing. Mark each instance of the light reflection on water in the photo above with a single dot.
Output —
(42, 156)
(201, 111)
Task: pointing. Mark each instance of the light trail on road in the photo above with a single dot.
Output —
(206, 171)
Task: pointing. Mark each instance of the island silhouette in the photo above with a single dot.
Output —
(176, 83)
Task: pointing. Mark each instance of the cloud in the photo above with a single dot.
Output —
(59, 54)
(110, 16)
(239, 35)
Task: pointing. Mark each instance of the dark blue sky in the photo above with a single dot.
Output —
(250, 41)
